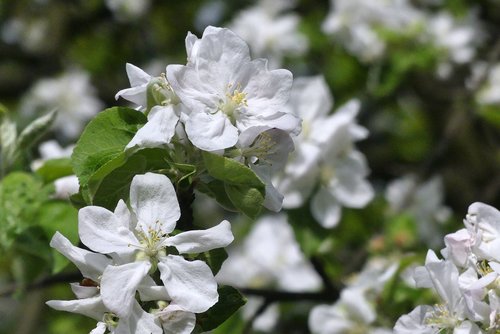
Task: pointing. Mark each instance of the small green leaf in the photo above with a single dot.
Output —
(214, 258)
(230, 171)
(247, 200)
(230, 300)
(104, 139)
(54, 169)
(36, 129)
(243, 187)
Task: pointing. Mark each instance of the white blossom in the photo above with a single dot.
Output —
(226, 92)
(269, 33)
(141, 236)
(325, 155)
(72, 94)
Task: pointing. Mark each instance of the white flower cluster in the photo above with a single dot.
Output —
(130, 246)
(220, 100)
(277, 262)
(360, 26)
(355, 311)
(326, 164)
(269, 32)
(466, 280)
(71, 94)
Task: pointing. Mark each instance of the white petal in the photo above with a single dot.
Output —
(119, 284)
(91, 265)
(139, 322)
(202, 240)
(100, 328)
(175, 320)
(325, 208)
(103, 232)
(90, 307)
(81, 291)
(211, 132)
(136, 76)
(191, 284)
(149, 290)
(159, 129)
(153, 199)
(414, 322)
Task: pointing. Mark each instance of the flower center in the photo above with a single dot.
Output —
(234, 101)
(441, 317)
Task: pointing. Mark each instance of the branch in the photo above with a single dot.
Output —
(10, 289)
(286, 296)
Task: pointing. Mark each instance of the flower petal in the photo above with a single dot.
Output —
(99, 329)
(139, 322)
(103, 232)
(211, 132)
(325, 208)
(90, 307)
(159, 129)
(82, 291)
(202, 240)
(176, 320)
(191, 284)
(119, 284)
(91, 265)
(153, 199)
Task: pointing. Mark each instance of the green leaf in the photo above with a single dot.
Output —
(231, 171)
(21, 195)
(36, 129)
(247, 200)
(104, 139)
(54, 169)
(309, 234)
(214, 258)
(62, 217)
(8, 135)
(108, 189)
(244, 189)
(230, 300)
(215, 189)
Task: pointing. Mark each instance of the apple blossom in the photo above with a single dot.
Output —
(226, 92)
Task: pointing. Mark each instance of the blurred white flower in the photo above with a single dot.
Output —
(490, 92)
(325, 154)
(355, 310)
(276, 262)
(31, 35)
(269, 33)
(71, 94)
(423, 202)
(458, 40)
(128, 10)
(64, 186)
(355, 23)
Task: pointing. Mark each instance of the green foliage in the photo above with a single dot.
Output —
(214, 258)
(230, 300)
(21, 197)
(244, 189)
(54, 169)
(100, 149)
